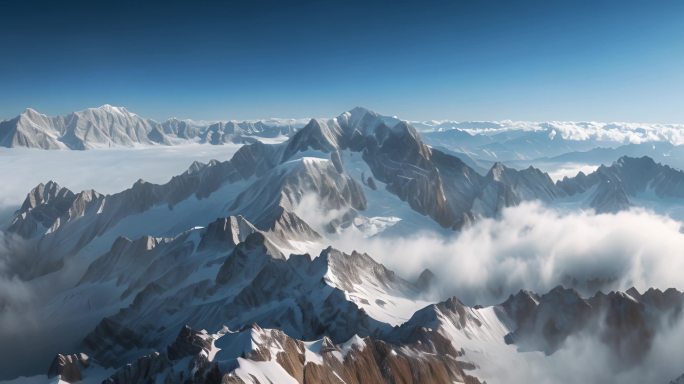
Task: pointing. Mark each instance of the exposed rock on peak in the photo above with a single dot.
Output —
(359, 360)
(227, 232)
(625, 321)
(614, 187)
(68, 367)
(189, 342)
(41, 208)
(425, 280)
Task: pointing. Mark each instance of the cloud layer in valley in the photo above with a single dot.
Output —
(585, 359)
(536, 248)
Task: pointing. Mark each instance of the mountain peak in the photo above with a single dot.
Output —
(497, 171)
(31, 110)
(360, 110)
(358, 113)
(31, 113)
(626, 160)
(112, 109)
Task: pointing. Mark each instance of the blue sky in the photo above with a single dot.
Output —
(462, 60)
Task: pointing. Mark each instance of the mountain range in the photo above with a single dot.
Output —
(109, 126)
(225, 274)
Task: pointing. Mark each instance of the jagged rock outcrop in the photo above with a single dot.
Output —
(506, 187)
(426, 280)
(68, 367)
(613, 187)
(438, 328)
(41, 208)
(359, 360)
(627, 322)
(189, 342)
(226, 233)
(239, 356)
(182, 129)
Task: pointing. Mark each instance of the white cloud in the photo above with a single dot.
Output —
(537, 248)
(585, 359)
(619, 132)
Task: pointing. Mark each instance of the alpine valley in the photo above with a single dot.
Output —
(281, 265)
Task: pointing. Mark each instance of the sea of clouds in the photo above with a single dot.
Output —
(618, 132)
(533, 247)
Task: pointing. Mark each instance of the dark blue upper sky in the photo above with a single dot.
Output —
(463, 60)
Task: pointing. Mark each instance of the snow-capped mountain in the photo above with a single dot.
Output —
(226, 274)
(95, 127)
(109, 126)
(554, 146)
(618, 186)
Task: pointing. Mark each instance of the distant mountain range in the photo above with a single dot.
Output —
(109, 126)
(212, 277)
(552, 145)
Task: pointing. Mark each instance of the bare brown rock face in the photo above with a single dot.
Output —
(68, 367)
(189, 342)
(279, 358)
(357, 361)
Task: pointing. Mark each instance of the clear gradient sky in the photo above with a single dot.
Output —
(463, 60)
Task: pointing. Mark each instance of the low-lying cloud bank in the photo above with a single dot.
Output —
(18, 300)
(618, 132)
(536, 248)
(584, 359)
